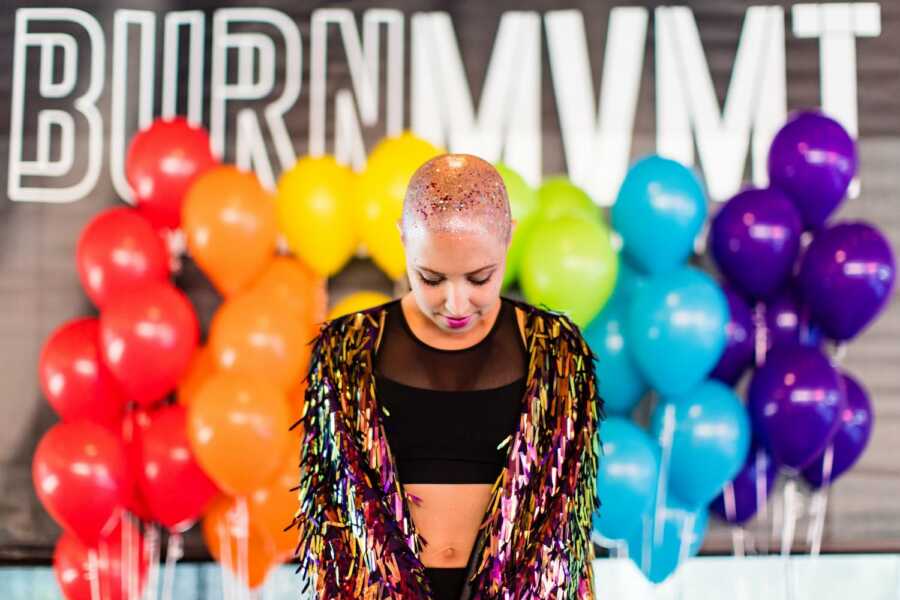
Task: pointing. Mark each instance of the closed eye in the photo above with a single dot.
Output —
(439, 280)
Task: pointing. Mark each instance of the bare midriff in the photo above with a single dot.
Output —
(448, 517)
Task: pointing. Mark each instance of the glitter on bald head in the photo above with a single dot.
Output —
(457, 192)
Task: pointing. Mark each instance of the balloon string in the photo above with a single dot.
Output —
(728, 498)
(647, 535)
(243, 529)
(665, 441)
(818, 509)
(761, 333)
(840, 353)
(738, 542)
(93, 574)
(225, 560)
(125, 556)
(105, 583)
(138, 559)
(176, 243)
(787, 534)
(129, 556)
(687, 538)
(174, 551)
(819, 504)
(151, 545)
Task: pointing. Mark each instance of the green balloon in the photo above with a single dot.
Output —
(569, 264)
(523, 204)
(558, 196)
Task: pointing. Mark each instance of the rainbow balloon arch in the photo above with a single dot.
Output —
(158, 420)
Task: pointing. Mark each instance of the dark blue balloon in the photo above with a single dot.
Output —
(754, 239)
(849, 441)
(753, 484)
(846, 277)
(788, 321)
(795, 402)
(739, 340)
(813, 159)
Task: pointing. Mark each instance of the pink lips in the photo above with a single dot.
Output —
(458, 323)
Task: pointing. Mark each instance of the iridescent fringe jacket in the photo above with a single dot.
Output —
(356, 538)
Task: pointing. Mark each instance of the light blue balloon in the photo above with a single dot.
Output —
(676, 328)
(628, 281)
(658, 212)
(626, 477)
(710, 439)
(681, 522)
(619, 380)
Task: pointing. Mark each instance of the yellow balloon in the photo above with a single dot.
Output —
(315, 212)
(379, 197)
(357, 301)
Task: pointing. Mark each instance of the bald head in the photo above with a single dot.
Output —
(457, 193)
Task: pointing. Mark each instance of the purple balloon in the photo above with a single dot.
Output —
(753, 483)
(755, 238)
(813, 159)
(849, 441)
(846, 276)
(738, 351)
(795, 401)
(788, 322)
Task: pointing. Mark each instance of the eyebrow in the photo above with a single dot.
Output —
(433, 272)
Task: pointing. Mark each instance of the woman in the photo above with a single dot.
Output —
(450, 446)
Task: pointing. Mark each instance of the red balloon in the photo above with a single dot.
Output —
(74, 380)
(119, 250)
(147, 336)
(72, 567)
(134, 424)
(162, 162)
(81, 477)
(176, 489)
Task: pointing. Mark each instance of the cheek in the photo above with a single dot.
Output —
(428, 297)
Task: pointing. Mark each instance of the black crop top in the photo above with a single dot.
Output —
(450, 409)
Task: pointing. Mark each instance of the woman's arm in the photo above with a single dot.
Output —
(562, 550)
(349, 544)
(323, 538)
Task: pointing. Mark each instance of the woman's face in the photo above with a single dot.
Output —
(455, 276)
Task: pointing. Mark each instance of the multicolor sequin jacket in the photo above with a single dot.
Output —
(356, 538)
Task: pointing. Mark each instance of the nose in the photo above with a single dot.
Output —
(457, 301)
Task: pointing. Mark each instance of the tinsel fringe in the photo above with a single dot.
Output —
(356, 538)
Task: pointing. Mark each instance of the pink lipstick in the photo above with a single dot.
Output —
(458, 323)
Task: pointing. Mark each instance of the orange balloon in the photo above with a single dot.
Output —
(222, 531)
(202, 365)
(272, 507)
(294, 282)
(255, 335)
(296, 399)
(230, 225)
(238, 429)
